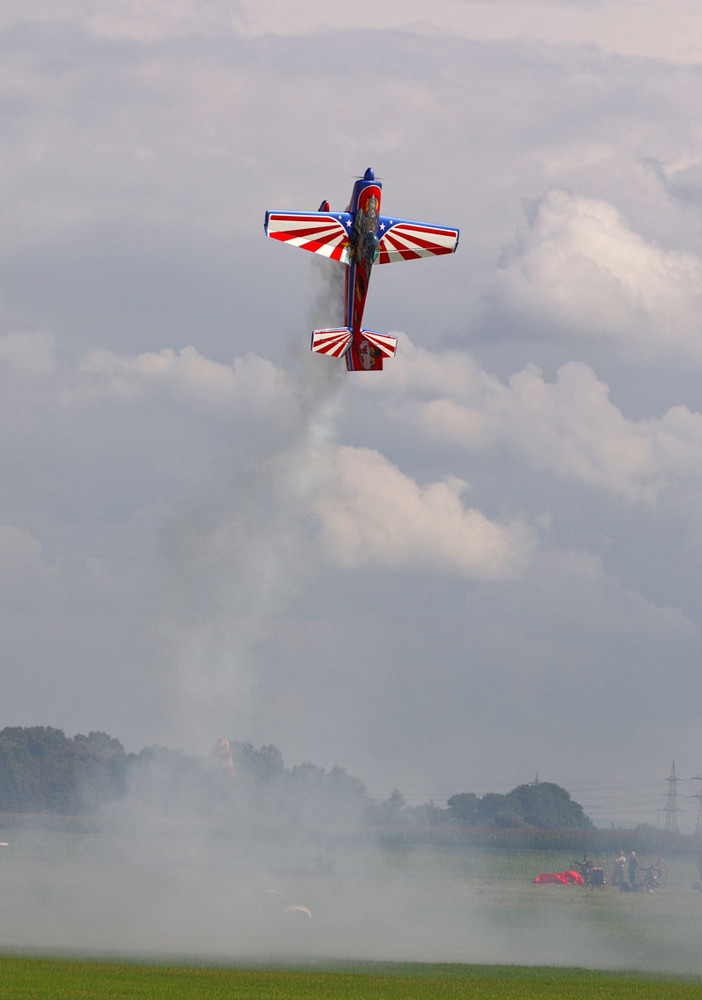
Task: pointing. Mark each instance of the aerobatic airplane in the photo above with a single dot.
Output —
(359, 238)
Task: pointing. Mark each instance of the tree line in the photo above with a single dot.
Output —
(44, 771)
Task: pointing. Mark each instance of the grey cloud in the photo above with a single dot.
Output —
(683, 183)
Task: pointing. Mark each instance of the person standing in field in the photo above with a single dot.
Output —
(633, 869)
(618, 870)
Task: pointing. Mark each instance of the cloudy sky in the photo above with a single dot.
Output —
(482, 564)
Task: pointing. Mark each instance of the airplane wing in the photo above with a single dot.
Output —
(321, 232)
(401, 239)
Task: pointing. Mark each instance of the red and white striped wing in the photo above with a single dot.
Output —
(386, 344)
(404, 240)
(319, 232)
(332, 342)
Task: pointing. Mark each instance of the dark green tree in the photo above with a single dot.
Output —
(542, 805)
(42, 770)
(549, 807)
(463, 808)
(262, 764)
(100, 766)
(494, 810)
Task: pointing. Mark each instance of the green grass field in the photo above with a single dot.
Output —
(180, 913)
(44, 979)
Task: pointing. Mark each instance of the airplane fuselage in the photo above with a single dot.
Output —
(365, 209)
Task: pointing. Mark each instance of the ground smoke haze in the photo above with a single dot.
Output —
(274, 863)
(160, 886)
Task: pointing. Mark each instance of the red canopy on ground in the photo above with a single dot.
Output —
(561, 878)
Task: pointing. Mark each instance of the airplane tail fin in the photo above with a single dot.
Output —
(332, 342)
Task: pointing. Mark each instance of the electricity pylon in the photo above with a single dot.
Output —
(698, 824)
(671, 808)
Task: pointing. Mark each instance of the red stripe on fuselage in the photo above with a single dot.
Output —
(365, 194)
(358, 273)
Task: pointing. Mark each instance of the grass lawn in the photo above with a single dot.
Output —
(47, 979)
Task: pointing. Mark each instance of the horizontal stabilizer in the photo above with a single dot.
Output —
(386, 344)
(335, 343)
(368, 351)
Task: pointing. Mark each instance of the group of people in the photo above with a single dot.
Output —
(620, 865)
(653, 873)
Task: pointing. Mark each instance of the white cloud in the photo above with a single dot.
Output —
(568, 427)
(27, 355)
(581, 271)
(137, 20)
(371, 513)
(189, 377)
(623, 615)
(374, 515)
(22, 564)
(641, 28)
(37, 381)
(96, 452)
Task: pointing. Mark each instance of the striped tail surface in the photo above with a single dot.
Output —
(368, 351)
(334, 342)
(386, 344)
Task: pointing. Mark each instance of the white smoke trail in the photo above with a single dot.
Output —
(230, 561)
(327, 308)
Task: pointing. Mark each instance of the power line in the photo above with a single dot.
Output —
(603, 799)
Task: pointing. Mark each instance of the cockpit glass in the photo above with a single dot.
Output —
(371, 247)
